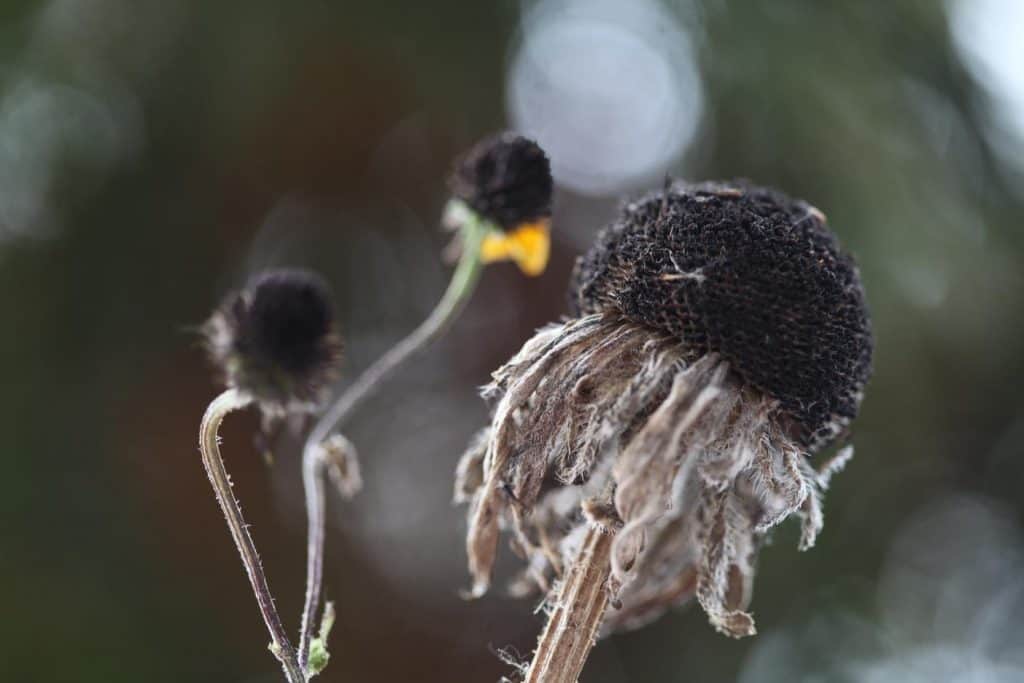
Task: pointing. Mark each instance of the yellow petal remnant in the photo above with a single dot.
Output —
(528, 244)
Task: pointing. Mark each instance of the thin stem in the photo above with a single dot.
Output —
(313, 471)
(460, 288)
(462, 284)
(572, 627)
(227, 402)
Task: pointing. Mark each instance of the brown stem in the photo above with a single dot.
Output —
(572, 627)
(208, 444)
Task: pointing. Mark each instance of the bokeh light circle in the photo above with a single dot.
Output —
(610, 89)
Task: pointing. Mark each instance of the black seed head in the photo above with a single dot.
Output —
(506, 179)
(275, 339)
(751, 274)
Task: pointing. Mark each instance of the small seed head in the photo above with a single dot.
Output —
(506, 179)
(275, 339)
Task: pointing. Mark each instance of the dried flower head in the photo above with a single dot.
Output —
(720, 339)
(275, 340)
(505, 181)
(751, 274)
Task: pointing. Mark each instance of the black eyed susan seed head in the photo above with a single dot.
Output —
(506, 179)
(750, 274)
(719, 338)
(275, 339)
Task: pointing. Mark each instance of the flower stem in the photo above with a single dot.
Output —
(227, 402)
(460, 288)
(462, 284)
(572, 627)
(313, 471)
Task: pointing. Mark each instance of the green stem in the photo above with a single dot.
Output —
(461, 287)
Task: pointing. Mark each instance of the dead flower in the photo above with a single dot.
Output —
(719, 339)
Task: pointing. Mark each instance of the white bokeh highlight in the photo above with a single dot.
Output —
(610, 89)
(990, 37)
(68, 99)
(949, 608)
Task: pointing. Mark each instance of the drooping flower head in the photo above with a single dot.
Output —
(276, 340)
(505, 179)
(752, 275)
(720, 339)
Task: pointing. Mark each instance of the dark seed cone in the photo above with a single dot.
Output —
(506, 179)
(276, 340)
(750, 274)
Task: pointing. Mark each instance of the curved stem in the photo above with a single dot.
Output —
(460, 288)
(227, 402)
(462, 284)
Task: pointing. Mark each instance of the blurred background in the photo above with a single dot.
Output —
(154, 153)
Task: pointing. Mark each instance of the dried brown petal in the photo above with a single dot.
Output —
(342, 462)
(600, 418)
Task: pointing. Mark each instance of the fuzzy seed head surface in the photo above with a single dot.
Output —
(506, 179)
(751, 274)
(275, 338)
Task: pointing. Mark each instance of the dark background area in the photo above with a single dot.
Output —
(153, 154)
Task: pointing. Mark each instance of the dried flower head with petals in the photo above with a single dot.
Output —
(720, 338)
(275, 340)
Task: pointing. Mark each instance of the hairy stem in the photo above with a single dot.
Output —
(572, 626)
(313, 473)
(462, 284)
(227, 402)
